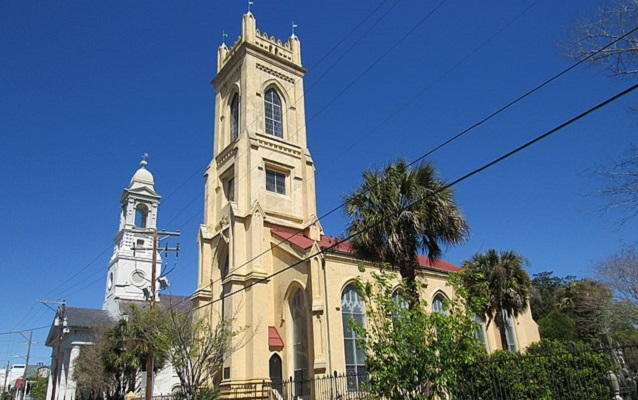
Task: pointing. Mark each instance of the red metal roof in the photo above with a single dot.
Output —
(298, 239)
(274, 340)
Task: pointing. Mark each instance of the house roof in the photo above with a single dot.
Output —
(167, 302)
(90, 318)
(87, 317)
(80, 318)
(300, 240)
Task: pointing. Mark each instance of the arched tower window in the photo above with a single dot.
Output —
(352, 307)
(141, 215)
(299, 313)
(272, 104)
(234, 117)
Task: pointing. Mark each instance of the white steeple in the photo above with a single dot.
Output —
(129, 269)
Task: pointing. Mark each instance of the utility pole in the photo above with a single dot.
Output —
(56, 358)
(26, 366)
(6, 375)
(150, 359)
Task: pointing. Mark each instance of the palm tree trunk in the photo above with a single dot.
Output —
(408, 274)
(413, 294)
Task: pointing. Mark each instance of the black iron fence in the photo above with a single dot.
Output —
(334, 387)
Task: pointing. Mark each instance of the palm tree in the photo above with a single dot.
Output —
(498, 285)
(398, 212)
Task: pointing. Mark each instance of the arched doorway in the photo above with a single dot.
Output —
(276, 373)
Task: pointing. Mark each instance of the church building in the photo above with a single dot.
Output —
(128, 281)
(261, 262)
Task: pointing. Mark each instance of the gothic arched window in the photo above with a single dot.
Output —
(438, 305)
(299, 313)
(400, 303)
(234, 117)
(272, 104)
(399, 299)
(352, 307)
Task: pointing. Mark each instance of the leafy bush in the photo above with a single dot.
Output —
(558, 326)
(548, 371)
(413, 353)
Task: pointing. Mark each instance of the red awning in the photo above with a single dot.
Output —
(274, 340)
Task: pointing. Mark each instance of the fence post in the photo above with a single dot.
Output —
(615, 386)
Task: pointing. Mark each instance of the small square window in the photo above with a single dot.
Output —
(275, 181)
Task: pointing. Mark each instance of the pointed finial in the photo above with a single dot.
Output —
(144, 162)
(293, 28)
(224, 36)
(250, 3)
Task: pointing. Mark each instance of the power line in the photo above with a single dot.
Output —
(391, 115)
(445, 187)
(24, 330)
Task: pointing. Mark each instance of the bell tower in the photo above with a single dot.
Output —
(129, 270)
(261, 176)
(260, 154)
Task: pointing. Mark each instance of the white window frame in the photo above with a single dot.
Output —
(273, 113)
(510, 332)
(480, 332)
(439, 298)
(352, 305)
(280, 181)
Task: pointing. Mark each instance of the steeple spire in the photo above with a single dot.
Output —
(130, 268)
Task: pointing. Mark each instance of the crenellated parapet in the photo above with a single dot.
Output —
(289, 52)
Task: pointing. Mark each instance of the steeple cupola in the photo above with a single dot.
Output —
(143, 178)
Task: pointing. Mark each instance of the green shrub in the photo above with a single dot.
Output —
(548, 371)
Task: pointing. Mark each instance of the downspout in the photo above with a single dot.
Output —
(325, 295)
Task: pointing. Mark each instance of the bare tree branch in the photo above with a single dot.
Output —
(620, 272)
(620, 185)
(608, 24)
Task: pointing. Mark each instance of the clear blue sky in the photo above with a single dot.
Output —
(87, 87)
